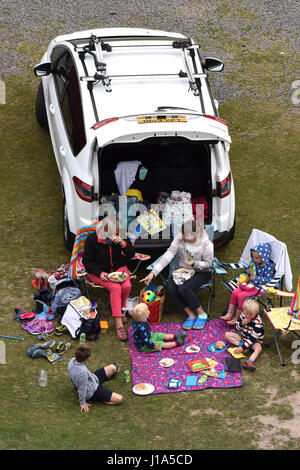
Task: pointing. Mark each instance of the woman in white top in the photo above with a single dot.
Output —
(194, 250)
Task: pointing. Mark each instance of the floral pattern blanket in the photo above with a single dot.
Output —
(146, 366)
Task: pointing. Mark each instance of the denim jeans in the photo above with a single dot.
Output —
(184, 294)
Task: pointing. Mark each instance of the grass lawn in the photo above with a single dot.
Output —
(261, 414)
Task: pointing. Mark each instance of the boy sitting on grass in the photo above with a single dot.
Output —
(88, 384)
(249, 332)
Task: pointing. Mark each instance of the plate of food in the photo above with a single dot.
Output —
(189, 271)
(166, 362)
(218, 346)
(182, 274)
(143, 389)
(118, 276)
(192, 349)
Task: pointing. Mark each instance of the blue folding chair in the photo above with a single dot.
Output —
(216, 269)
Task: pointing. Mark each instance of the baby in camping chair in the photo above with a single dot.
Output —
(146, 341)
(259, 271)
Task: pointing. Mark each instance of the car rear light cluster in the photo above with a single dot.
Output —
(84, 190)
(215, 118)
(224, 187)
(102, 123)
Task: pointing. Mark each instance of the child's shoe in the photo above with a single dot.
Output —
(27, 315)
(35, 327)
(179, 339)
(42, 328)
(45, 316)
(60, 330)
(48, 344)
(62, 347)
(43, 311)
(30, 324)
(43, 295)
(249, 365)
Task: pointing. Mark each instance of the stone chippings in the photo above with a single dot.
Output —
(26, 29)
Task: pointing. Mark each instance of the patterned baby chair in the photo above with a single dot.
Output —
(284, 320)
(279, 256)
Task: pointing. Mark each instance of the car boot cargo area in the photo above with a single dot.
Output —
(173, 164)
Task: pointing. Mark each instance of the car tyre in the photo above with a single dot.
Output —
(68, 236)
(40, 107)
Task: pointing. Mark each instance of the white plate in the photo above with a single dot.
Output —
(166, 362)
(149, 388)
(117, 280)
(185, 270)
(192, 349)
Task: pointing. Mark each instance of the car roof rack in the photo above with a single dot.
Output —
(96, 46)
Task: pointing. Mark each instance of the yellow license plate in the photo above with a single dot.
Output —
(164, 118)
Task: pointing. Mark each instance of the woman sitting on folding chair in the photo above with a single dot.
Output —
(194, 250)
(106, 252)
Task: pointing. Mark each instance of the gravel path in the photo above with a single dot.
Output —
(225, 28)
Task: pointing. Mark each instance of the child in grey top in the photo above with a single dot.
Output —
(89, 384)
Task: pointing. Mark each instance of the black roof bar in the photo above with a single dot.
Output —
(96, 46)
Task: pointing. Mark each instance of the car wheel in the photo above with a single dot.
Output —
(40, 107)
(68, 236)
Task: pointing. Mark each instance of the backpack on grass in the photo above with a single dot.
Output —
(65, 291)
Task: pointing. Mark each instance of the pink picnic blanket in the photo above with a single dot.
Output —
(146, 367)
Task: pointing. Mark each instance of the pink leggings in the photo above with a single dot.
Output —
(239, 295)
(119, 292)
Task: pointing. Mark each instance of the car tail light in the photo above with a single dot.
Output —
(215, 118)
(84, 190)
(224, 187)
(104, 122)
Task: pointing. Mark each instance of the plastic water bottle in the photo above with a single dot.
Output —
(43, 378)
(82, 338)
(126, 376)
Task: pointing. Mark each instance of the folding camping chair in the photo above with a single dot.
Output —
(77, 270)
(279, 257)
(209, 285)
(285, 320)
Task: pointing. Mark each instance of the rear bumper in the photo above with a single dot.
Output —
(148, 244)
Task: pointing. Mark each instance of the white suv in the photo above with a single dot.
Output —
(116, 95)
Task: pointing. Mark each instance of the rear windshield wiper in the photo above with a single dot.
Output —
(162, 108)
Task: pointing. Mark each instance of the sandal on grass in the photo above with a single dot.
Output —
(121, 333)
(62, 347)
(60, 330)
